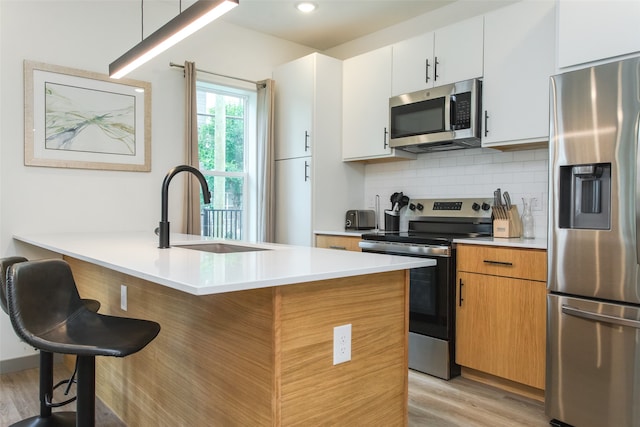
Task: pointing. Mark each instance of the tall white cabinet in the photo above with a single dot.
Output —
(314, 187)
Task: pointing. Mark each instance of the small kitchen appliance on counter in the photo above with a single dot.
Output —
(358, 219)
(593, 305)
(433, 224)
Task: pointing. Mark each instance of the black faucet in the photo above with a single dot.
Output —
(163, 230)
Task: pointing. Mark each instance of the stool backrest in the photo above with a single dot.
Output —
(40, 295)
(5, 263)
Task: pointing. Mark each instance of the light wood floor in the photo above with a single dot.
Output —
(432, 402)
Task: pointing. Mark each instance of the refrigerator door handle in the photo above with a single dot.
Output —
(598, 317)
(637, 198)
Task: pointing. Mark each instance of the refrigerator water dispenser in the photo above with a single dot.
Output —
(585, 196)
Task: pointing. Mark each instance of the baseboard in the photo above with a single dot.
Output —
(505, 384)
(25, 362)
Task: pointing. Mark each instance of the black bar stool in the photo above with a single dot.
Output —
(46, 418)
(47, 313)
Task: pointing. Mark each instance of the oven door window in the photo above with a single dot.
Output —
(429, 300)
(418, 118)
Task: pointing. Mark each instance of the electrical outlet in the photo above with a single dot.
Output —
(536, 203)
(123, 297)
(341, 344)
(371, 202)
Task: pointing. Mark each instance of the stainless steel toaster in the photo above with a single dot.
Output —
(358, 219)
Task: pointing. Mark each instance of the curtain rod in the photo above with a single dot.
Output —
(171, 64)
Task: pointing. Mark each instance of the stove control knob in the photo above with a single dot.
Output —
(485, 206)
(419, 206)
(475, 207)
(412, 206)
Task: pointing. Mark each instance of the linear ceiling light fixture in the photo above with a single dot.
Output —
(198, 15)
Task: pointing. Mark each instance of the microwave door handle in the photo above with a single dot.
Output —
(452, 112)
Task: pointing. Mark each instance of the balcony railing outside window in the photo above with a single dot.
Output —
(222, 223)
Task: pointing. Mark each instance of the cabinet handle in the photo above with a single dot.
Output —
(486, 119)
(342, 248)
(426, 69)
(506, 264)
(306, 141)
(435, 70)
(306, 171)
(460, 299)
(386, 144)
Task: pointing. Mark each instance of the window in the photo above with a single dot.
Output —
(225, 145)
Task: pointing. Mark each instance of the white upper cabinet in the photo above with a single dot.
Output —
(458, 51)
(447, 55)
(518, 61)
(412, 64)
(294, 83)
(598, 29)
(366, 92)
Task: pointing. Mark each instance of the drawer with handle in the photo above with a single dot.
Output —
(528, 264)
(345, 243)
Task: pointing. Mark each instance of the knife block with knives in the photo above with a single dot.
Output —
(506, 219)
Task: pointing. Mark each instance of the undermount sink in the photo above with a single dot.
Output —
(220, 248)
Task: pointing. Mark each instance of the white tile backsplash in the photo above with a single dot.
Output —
(465, 173)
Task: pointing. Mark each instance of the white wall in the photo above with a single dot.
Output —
(465, 173)
(88, 35)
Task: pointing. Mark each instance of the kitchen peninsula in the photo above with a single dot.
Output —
(247, 337)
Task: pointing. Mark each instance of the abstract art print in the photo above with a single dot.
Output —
(80, 119)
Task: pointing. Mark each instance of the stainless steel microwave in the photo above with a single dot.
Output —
(437, 119)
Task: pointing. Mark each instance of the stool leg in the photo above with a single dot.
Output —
(86, 392)
(46, 382)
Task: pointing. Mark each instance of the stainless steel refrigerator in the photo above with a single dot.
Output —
(593, 305)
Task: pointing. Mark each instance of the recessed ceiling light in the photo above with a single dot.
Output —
(306, 6)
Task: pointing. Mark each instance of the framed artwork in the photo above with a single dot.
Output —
(79, 119)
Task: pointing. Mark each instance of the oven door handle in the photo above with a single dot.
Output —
(405, 249)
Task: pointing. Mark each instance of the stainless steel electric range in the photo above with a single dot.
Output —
(433, 225)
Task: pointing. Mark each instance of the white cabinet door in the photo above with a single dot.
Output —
(598, 29)
(412, 64)
(458, 51)
(366, 91)
(447, 55)
(366, 86)
(518, 61)
(293, 201)
(294, 108)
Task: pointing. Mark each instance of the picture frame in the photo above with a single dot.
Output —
(85, 120)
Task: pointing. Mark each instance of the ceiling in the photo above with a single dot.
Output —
(333, 23)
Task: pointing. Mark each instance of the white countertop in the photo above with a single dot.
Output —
(501, 241)
(203, 273)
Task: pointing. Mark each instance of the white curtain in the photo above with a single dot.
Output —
(191, 222)
(266, 166)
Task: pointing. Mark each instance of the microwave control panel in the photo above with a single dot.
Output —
(461, 111)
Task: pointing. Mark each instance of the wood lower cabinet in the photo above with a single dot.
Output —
(501, 313)
(345, 243)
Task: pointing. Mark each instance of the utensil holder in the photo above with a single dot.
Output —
(510, 227)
